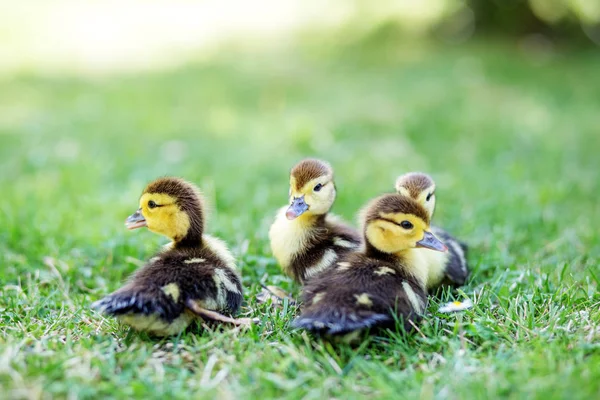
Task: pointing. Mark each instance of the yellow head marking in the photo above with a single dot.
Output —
(387, 234)
(293, 185)
(165, 217)
(420, 187)
(427, 199)
(319, 194)
(398, 218)
(363, 299)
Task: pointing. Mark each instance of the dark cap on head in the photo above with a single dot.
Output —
(187, 197)
(309, 169)
(414, 182)
(394, 203)
(178, 188)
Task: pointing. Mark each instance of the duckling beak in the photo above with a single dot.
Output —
(135, 220)
(297, 208)
(429, 241)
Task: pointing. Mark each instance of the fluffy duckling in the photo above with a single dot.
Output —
(444, 268)
(193, 276)
(383, 282)
(305, 240)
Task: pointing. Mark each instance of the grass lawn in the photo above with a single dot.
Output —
(511, 138)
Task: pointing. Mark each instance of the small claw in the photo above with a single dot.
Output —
(217, 316)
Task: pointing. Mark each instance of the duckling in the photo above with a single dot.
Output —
(444, 268)
(304, 238)
(383, 282)
(194, 276)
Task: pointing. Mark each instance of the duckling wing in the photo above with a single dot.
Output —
(354, 297)
(159, 291)
(344, 236)
(335, 321)
(147, 308)
(146, 300)
(148, 292)
(198, 275)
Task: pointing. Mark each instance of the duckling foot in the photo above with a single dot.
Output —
(218, 317)
(275, 294)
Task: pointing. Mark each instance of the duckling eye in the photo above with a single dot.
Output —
(406, 224)
(152, 204)
(318, 187)
(429, 196)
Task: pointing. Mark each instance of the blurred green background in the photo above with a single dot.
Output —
(497, 100)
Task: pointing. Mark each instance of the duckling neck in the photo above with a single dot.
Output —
(193, 236)
(413, 262)
(311, 219)
(188, 241)
(373, 252)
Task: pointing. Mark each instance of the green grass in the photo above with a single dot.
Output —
(513, 145)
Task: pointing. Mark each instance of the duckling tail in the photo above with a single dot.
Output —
(140, 300)
(335, 322)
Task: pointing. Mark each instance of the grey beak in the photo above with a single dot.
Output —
(135, 220)
(429, 241)
(297, 208)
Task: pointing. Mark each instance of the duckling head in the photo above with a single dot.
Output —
(312, 191)
(420, 187)
(170, 207)
(395, 223)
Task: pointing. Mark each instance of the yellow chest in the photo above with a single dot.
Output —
(417, 264)
(435, 264)
(287, 238)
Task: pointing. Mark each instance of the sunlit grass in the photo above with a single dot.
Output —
(512, 143)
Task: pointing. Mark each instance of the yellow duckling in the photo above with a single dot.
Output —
(444, 268)
(304, 238)
(383, 282)
(194, 276)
